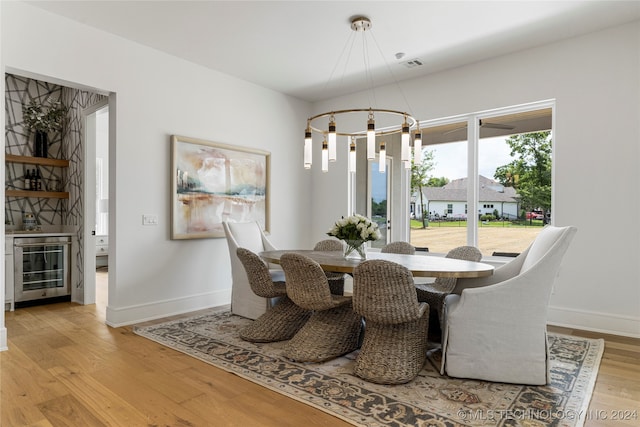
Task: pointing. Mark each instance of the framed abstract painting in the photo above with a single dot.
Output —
(212, 183)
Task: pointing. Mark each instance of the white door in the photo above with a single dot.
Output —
(92, 130)
(379, 200)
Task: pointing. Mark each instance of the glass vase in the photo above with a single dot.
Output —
(355, 249)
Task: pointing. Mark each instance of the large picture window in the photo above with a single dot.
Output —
(498, 161)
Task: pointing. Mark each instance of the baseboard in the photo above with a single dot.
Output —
(593, 321)
(3, 339)
(124, 316)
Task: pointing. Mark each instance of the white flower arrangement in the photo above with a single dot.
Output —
(355, 228)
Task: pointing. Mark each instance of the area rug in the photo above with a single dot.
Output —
(429, 400)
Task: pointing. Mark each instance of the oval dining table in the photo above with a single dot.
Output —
(419, 265)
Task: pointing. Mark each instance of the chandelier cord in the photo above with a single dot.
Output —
(335, 67)
(395, 81)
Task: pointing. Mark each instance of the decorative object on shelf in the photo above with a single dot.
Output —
(212, 183)
(42, 120)
(29, 222)
(41, 144)
(325, 123)
(356, 230)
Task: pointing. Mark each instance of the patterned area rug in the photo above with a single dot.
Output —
(429, 400)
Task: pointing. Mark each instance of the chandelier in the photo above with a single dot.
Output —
(401, 122)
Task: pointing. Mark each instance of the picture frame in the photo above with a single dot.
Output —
(213, 182)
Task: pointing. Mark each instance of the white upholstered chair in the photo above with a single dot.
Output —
(496, 327)
(248, 235)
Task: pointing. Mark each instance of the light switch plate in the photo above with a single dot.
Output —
(148, 219)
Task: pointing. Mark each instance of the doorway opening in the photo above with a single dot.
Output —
(97, 190)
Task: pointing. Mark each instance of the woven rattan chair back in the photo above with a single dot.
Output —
(467, 253)
(328, 245)
(336, 280)
(394, 347)
(399, 247)
(383, 292)
(306, 282)
(258, 274)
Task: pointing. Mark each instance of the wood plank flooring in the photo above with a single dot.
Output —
(65, 367)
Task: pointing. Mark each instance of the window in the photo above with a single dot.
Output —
(444, 198)
(508, 186)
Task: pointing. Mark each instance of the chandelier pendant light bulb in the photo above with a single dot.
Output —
(352, 155)
(325, 157)
(417, 148)
(307, 153)
(405, 152)
(371, 137)
(331, 137)
(382, 161)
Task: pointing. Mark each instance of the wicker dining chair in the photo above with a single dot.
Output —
(333, 328)
(336, 280)
(281, 321)
(394, 348)
(435, 292)
(399, 247)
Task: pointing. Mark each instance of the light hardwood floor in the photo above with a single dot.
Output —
(65, 367)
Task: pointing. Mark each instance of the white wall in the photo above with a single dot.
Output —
(157, 95)
(595, 82)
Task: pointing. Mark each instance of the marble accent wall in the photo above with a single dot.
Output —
(64, 144)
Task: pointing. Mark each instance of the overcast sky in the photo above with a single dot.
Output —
(451, 159)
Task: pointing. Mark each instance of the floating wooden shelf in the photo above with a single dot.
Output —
(28, 193)
(42, 161)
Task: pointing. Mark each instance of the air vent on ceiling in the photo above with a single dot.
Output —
(415, 62)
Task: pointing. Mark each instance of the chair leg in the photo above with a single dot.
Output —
(327, 334)
(435, 300)
(279, 323)
(336, 285)
(393, 354)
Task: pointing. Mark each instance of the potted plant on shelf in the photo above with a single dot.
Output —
(42, 120)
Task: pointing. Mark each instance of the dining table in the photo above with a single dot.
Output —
(419, 265)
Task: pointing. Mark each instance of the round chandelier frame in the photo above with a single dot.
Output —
(410, 120)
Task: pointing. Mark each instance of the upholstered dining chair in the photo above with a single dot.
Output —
(394, 348)
(495, 328)
(284, 319)
(333, 328)
(336, 280)
(399, 247)
(434, 293)
(248, 235)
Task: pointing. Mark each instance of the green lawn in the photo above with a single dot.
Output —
(520, 223)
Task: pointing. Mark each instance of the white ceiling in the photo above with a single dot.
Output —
(294, 47)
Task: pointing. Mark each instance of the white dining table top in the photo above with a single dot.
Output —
(419, 265)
